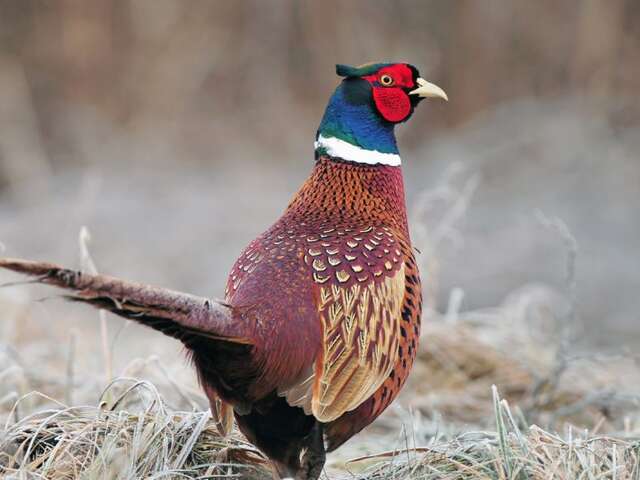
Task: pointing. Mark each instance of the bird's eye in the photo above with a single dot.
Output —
(386, 80)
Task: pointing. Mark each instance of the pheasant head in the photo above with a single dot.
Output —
(358, 124)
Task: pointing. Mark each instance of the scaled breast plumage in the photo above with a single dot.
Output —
(345, 233)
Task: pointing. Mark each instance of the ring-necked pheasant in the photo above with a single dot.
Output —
(321, 318)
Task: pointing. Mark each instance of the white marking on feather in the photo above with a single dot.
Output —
(338, 148)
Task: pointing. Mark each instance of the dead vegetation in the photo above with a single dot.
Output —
(110, 441)
(134, 435)
(458, 427)
(512, 451)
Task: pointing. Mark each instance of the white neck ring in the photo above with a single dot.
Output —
(352, 153)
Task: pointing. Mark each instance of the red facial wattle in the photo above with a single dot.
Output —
(392, 101)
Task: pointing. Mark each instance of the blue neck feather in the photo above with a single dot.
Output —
(355, 121)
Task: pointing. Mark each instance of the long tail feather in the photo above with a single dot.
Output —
(176, 314)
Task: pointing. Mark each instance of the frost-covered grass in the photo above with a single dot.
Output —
(135, 435)
(574, 421)
(513, 450)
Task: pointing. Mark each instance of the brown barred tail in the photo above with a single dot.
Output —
(186, 317)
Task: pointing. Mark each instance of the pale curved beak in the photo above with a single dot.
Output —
(426, 89)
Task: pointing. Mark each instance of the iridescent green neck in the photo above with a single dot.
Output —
(351, 117)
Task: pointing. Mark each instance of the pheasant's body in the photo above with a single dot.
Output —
(336, 280)
(321, 318)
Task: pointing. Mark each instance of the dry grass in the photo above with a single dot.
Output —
(513, 451)
(111, 441)
(549, 386)
(459, 428)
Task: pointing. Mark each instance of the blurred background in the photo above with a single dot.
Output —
(177, 131)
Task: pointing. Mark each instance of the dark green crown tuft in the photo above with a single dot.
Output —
(359, 71)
